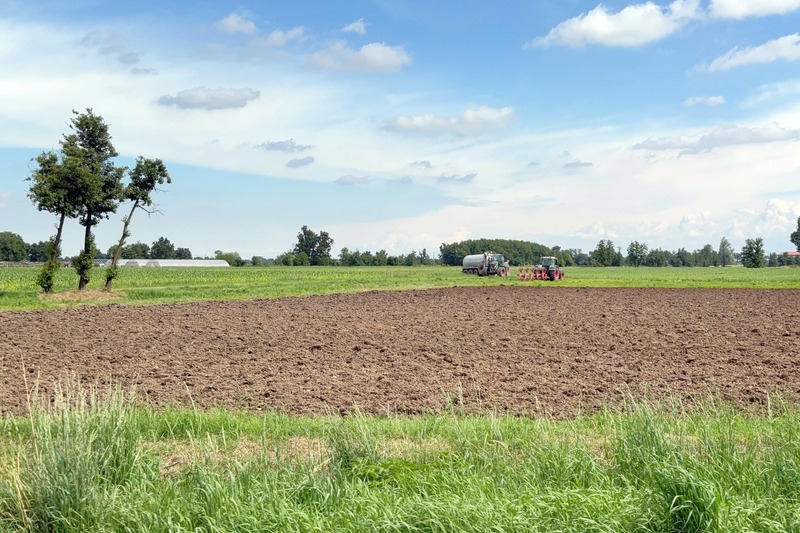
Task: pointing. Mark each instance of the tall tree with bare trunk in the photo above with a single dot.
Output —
(144, 179)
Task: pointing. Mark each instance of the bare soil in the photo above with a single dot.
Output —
(526, 350)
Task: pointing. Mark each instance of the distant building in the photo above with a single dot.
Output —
(170, 263)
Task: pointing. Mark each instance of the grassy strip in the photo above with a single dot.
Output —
(18, 290)
(105, 464)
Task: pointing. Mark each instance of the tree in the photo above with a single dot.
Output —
(725, 253)
(317, 248)
(39, 252)
(795, 236)
(753, 253)
(144, 178)
(137, 250)
(706, 256)
(636, 253)
(604, 253)
(233, 258)
(183, 253)
(162, 249)
(54, 190)
(97, 183)
(12, 247)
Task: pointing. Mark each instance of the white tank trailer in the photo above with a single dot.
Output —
(485, 264)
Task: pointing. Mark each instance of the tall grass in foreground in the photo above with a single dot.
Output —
(91, 463)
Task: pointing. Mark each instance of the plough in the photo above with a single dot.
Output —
(547, 269)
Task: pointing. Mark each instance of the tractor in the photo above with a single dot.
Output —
(485, 264)
(546, 268)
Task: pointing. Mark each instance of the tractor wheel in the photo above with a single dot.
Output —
(553, 275)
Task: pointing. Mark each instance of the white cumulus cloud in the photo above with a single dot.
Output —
(373, 57)
(210, 99)
(473, 121)
(236, 23)
(632, 26)
(739, 9)
(786, 48)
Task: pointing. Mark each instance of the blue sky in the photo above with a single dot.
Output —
(401, 125)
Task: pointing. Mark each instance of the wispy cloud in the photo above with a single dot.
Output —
(279, 38)
(634, 25)
(457, 178)
(358, 26)
(210, 99)
(107, 44)
(775, 91)
(373, 57)
(422, 164)
(288, 146)
(136, 71)
(786, 48)
(301, 162)
(704, 100)
(577, 164)
(236, 23)
(720, 137)
(739, 9)
(473, 121)
(352, 180)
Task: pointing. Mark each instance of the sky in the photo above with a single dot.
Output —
(404, 124)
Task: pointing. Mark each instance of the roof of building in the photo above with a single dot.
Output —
(171, 263)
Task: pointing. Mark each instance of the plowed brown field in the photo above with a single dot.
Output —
(525, 350)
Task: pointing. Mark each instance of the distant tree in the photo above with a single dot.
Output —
(137, 250)
(233, 258)
(657, 258)
(144, 178)
(12, 247)
(604, 253)
(317, 248)
(636, 253)
(285, 259)
(753, 253)
(258, 261)
(424, 258)
(39, 252)
(773, 260)
(183, 253)
(162, 249)
(706, 256)
(682, 258)
(412, 259)
(381, 258)
(795, 236)
(725, 253)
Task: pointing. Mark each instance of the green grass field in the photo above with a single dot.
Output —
(18, 290)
